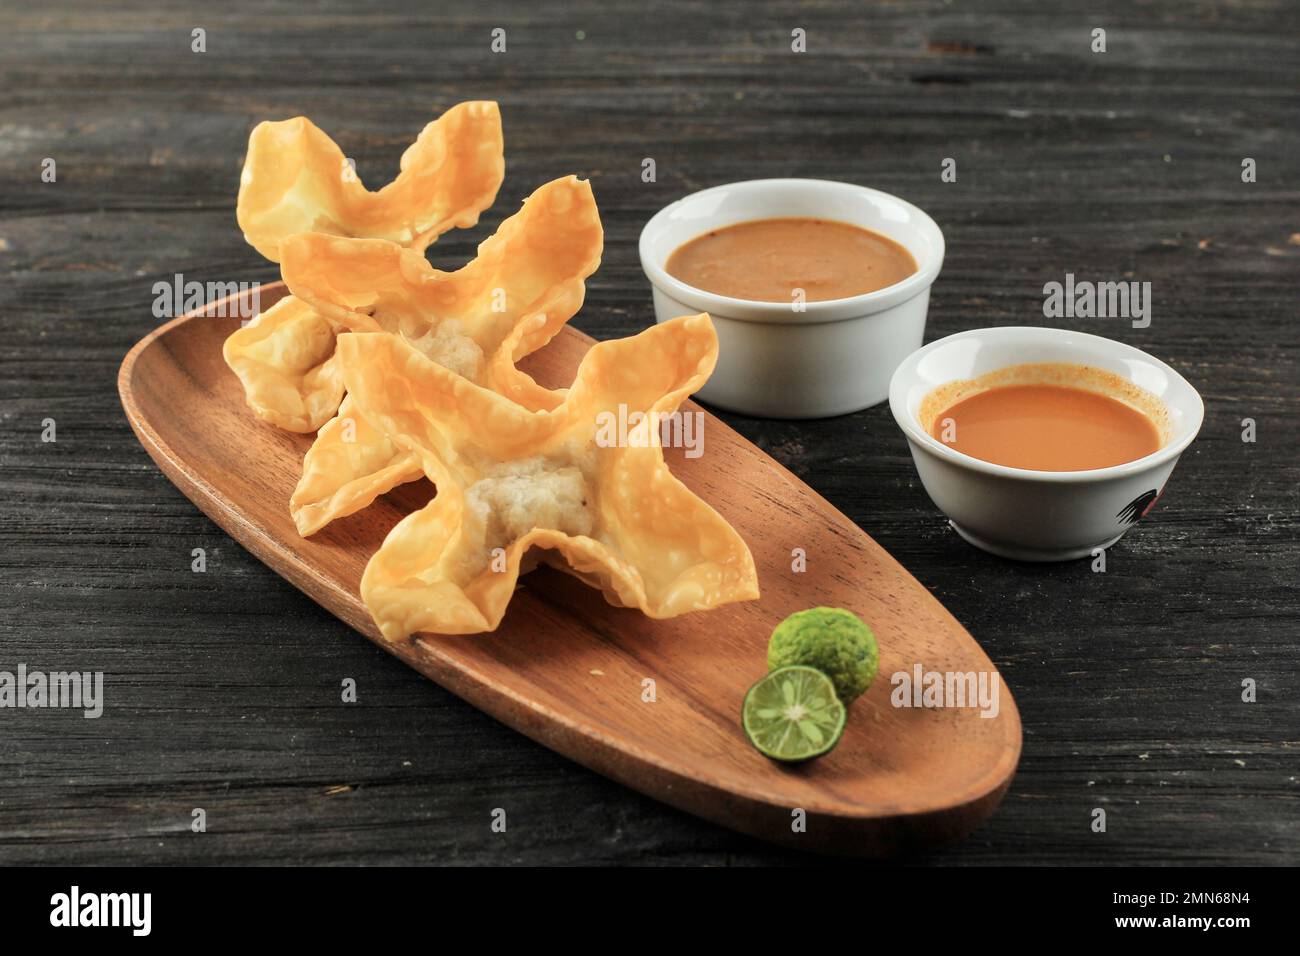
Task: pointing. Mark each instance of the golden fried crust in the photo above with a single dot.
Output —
(296, 179)
(651, 544)
(285, 360)
(350, 464)
(527, 281)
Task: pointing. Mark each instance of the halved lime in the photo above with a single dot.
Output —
(793, 714)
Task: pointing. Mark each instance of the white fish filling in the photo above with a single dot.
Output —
(518, 496)
(451, 348)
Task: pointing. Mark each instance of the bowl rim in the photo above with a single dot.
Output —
(920, 438)
(824, 310)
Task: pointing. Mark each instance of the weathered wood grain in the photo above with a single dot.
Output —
(224, 686)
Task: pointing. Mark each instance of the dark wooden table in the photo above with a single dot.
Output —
(222, 688)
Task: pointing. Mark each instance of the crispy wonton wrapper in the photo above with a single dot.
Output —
(510, 479)
(296, 179)
(527, 281)
(285, 360)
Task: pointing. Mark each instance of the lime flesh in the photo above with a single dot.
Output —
(793, 714)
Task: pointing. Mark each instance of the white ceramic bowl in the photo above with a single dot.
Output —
(834, 357)
(1039, 515)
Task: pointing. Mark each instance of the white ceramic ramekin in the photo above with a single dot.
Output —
(834, 357)
(1039, 515)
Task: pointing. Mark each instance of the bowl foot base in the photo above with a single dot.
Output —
(1020, 553)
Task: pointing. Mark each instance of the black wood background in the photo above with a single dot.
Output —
(223, 687)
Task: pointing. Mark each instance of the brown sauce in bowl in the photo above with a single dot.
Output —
(776, 260)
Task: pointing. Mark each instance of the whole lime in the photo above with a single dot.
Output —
(834, 641)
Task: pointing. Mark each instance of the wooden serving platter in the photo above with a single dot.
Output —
(569, 670)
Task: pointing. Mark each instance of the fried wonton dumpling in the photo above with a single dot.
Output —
(296, 179)
(510, 479)
(285, 360)
(350, 464)
(527, 281)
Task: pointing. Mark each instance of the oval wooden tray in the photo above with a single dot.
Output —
(568, 670)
